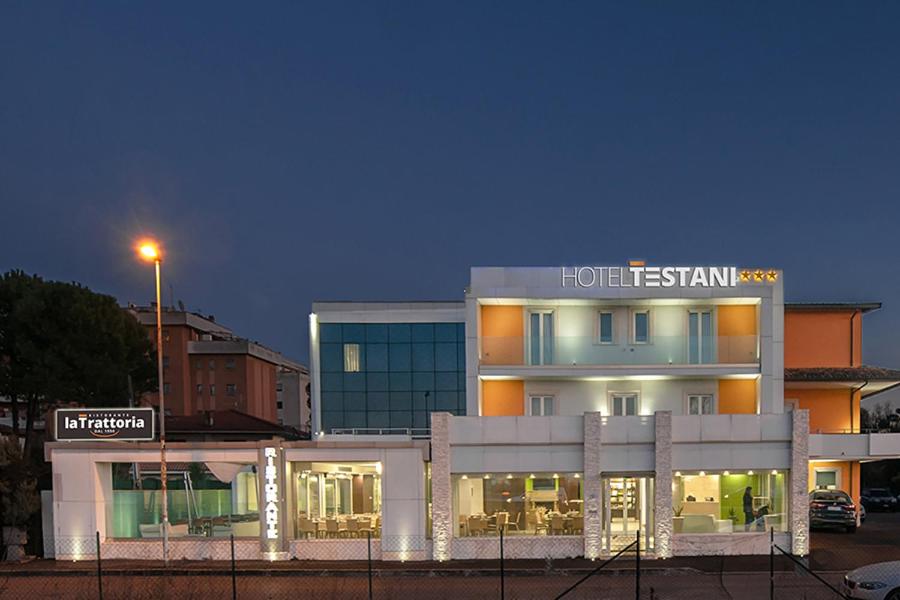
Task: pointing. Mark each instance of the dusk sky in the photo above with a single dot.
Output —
(293, 152)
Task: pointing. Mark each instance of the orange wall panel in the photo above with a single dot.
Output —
(830, 410)
(503, 398)
(737, 396)
(737, 320)
(821, 339)
(502, 335)
(849, 474)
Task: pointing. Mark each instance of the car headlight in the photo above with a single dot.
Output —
(871, 585)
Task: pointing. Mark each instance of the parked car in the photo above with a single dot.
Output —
(862, 513)
(879, 499)
(832, 508)
(880, 581)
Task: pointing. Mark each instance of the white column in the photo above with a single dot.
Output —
(315, 378)
(800, 483)
(662, 531)
(593, 499)
(441, 496)
(473, 337)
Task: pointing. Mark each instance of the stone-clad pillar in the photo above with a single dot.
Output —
(441, 496)
(662, 531)
(593, 499)
(800, 483)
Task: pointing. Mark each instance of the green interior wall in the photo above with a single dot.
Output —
(733, 486)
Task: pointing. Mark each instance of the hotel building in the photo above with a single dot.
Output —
(570, 407)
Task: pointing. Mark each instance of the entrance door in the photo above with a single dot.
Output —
(700, 339)
(540, 337)
(628, 508)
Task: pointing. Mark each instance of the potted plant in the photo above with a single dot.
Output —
(19, 499)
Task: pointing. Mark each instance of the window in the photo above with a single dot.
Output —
(522, 503)
(351, 358)
(640, 328)
(230, 389)
(700, 404)
(212, 389)
(199, 388)
(605, 327)
(167, 388)
(540, 337)
(165, 361)
(827, 478)
(340, 492)
(279, 387)
(212, 365)
(540, 406)
(730, 502)
(623, 404)
(700, 339)
(279, 404)
(229, 364)
(198, 365)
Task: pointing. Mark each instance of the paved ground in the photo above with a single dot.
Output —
(734, 578)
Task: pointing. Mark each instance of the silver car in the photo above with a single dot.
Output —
(880, 581)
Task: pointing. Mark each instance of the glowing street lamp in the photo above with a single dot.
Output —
(149, 251)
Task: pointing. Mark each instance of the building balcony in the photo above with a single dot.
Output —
(854, 446)
(573, 351)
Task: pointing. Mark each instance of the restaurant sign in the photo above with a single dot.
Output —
(272, 480)
(115, 424)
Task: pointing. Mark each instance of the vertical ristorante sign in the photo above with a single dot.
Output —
(271, 498)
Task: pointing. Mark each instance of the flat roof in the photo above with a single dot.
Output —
(831, 306)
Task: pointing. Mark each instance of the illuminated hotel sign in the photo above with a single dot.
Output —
(271, 493)
(114, 424)
(637, 275)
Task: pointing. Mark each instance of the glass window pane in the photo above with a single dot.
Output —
(423, 382)
(422, 332)
(376, 357)
(330, 332)
(332, 401)
(606, 334)
(693, 339)
(445, 332)
(401, 400)
(351, 358)
(535, 405)
(376, 332)
(641, 327)
(332, 382)
(535, 335)
(548, 340)
(631, 405)
(400, 382)
(708, 405)
(377, 382)
(423, 357)
(445, 357)
(354, 382)
(707, 339)
(548, 405)
(399, 332)
(354, 332)
(445, 381)
(378, 400)
(399, 357)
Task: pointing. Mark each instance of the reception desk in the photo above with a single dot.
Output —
(701, 508)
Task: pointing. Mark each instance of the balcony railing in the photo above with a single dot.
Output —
(414, 433)
(589, 350)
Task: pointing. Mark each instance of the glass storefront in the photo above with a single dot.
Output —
(730, 502)
(204, 499)
(518, 503)
(335, 500)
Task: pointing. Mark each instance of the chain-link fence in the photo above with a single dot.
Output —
(630, 573)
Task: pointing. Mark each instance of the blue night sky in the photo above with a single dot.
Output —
(292, 152)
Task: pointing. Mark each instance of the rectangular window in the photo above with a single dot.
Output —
(351, 358)
(623, 404)
(730, 502)
(518, 504)
(198, 365)
(167, 388)
(165, 361)
(212, 389)
(279, 387)
(540, 406)
(827, 479)
(279, 404)
(700, 404)
(199, 388)
(540, 337)
(700, 339)
(640, 329)
(605, 327)
(230, 389)
(229, 364)
(212, 365)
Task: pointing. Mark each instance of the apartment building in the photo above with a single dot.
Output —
(206, 366)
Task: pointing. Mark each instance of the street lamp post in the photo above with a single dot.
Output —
(150, 252)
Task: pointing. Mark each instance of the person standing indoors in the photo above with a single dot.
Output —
(748, 508)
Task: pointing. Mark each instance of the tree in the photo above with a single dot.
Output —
(61, 343)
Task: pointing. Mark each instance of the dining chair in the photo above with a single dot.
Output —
(557, 525)
(331, 528)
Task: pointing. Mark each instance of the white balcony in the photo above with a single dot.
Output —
(854, 446)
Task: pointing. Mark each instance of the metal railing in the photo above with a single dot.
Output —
(413, 432)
